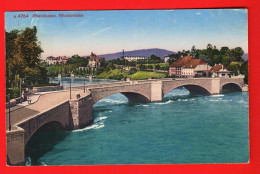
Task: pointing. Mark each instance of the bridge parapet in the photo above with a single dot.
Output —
(99, 85)
(58, 113)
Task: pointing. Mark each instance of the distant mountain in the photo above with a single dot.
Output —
(143, 52)
(245, 57)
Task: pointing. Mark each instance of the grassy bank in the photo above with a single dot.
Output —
(141, 75)
(117, 74)
(159, 66)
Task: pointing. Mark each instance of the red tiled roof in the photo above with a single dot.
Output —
(194, 63)
(181, 61)
(217, 67)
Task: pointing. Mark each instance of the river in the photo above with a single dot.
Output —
(181, 129)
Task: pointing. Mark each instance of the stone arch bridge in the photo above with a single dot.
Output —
(78, 113)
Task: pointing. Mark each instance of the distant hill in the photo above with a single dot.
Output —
(146, 52)
(143, 52)
(245, 57)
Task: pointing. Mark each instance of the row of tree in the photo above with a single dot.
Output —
(230, 58)
(212, 55)
(22, 58)
(75, 65)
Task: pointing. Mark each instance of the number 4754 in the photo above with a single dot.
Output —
(23, 16)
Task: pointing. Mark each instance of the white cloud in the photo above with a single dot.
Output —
(198, 13)
(98, 32)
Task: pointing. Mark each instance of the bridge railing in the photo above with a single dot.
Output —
(96, 85)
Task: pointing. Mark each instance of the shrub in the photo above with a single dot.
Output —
(132, 71)
(14, 92)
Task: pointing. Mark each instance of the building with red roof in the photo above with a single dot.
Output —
(94, 62)
(187, 66)
(219, 70)
(176, 67)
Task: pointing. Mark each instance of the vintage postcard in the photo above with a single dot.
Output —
(127, 87)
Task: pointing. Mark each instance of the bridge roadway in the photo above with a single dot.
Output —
(44, 102)
(50, 99)
(57, 110)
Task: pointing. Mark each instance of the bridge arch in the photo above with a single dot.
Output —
(131, 96)
(50, 126)
(231, 87)
(134, 93)
(43, 140)
(192, 88)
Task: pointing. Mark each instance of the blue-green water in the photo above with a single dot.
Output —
(180, 129)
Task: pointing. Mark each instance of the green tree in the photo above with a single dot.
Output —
(78, 61)
(236, 54)
(110, 66)
(22, 58)
(154, 59)
(173, 57)
(234, 67)
(193, 51)
(132, 71)
(244, 70)
(157, 66)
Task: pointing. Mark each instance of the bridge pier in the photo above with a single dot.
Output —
(81, 112)
(215, 86)
(156, 91)
(15, 146)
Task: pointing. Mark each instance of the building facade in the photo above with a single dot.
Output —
(176, 67)
(135, 58)
(219, 70)
(187, 66)
(55, 60)
(196, 68)
(94, 61)
(166, 59)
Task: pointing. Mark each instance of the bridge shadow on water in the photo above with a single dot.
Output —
(43, 141)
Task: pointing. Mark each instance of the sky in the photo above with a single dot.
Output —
(112, 31)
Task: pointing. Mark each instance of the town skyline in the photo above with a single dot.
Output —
(104, 32)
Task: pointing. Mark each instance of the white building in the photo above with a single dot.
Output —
(134, 58)
(219, 70)
(187, 66)
(54, 60)
(51, 60)
(166, 58)
(195, 67)
(94, 62)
